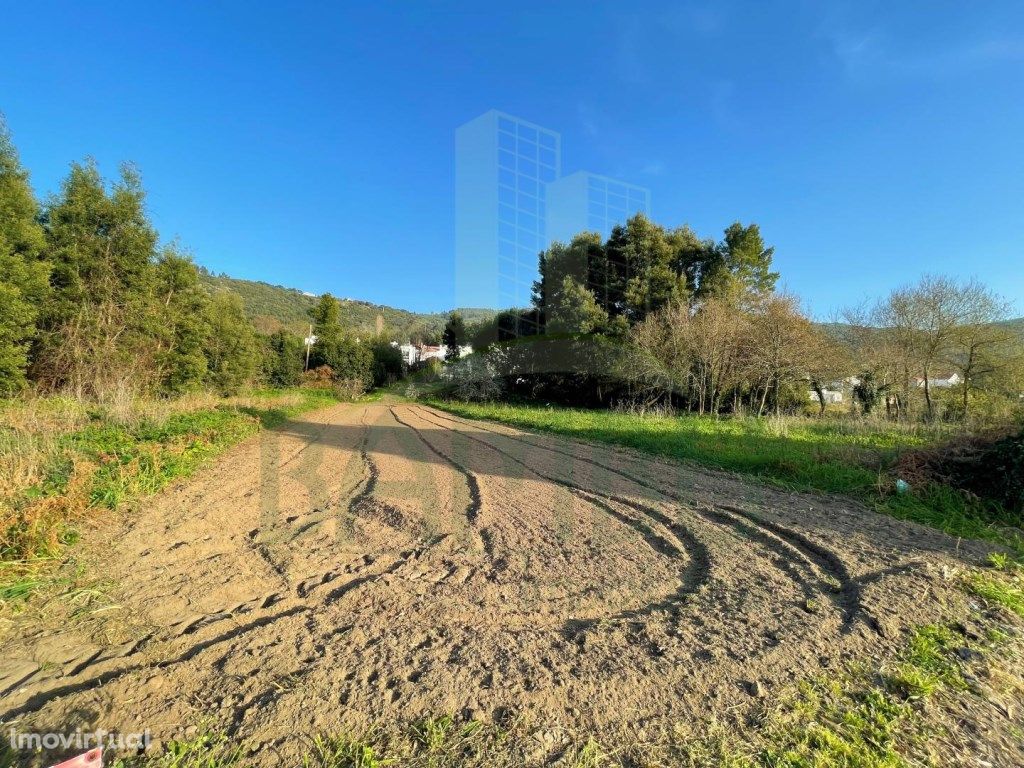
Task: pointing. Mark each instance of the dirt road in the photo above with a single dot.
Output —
(373, 564)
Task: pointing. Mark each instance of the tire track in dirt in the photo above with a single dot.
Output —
(362, 503)
(475, 502)
(825, 559)
(112, 670)
(321, 514)
(591, 619)
(777, 538)
(697, 572)
(259, 539)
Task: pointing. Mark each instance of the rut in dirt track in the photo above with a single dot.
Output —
(599, 578)
(475, 503)
(798, 556)
(696, 574)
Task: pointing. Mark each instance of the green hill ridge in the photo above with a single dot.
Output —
(271, 307)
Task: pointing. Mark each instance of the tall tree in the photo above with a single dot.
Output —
(982, 344)
(740, 265)
(640, 269)
(826, 360)
(347, 358)
(454, 336)
(778, 348)
(282, 362)
(690, 256)
(102, 247)
(923, 321)
(576, 310)
(231, 349)
(23, 273)
(327, 330)
(179, 322)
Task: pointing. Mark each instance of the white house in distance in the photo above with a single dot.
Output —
(832, 396)
(940, 381)
(417, 353)
(834, 390)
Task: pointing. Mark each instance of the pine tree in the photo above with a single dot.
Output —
(102, 247)
(23, 273)
(282, 366)
(232, 354)
(740, 266)
(179, 323)
(347, 358)
(454, 336)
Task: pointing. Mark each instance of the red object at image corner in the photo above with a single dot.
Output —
(91, 759)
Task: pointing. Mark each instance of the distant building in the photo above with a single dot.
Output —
(940, 381)
(408, 351)
(427, 351)
(584, 201)
(831, 396)
(417, 353)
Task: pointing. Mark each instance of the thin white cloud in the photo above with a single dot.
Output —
(640, 37)
(589, 119)
(654, 168)
(868, 55)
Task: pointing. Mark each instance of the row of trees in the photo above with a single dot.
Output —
(663, 316)
(91, 304)
(925, 332)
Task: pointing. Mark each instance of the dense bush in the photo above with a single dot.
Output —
(473, 378)
(998, 473)
(990, 467)
(388, 363)
(282, 358)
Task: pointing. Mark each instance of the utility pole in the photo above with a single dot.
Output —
(309, 343)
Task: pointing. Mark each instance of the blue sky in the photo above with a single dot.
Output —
(311, 145)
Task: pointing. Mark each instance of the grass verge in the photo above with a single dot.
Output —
(835, 456)
(75, 468)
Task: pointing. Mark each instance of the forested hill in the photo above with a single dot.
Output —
(1018, 324)
(273, 306)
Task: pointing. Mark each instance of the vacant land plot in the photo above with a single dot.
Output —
(844, 456)
(374, 565)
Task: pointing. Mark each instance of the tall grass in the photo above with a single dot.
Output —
(844, 456)
(63, 462)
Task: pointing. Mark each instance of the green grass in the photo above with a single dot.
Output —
(863, 716)
(271, 415)
(207, 750)
(343, 752)
(106, 463)
(1005, 589)
(830, 455)
(928, 664)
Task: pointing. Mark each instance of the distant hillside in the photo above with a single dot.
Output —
(838, 329)
(273, 306)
